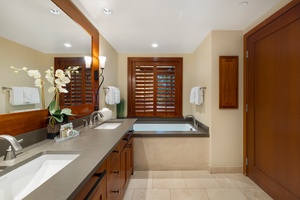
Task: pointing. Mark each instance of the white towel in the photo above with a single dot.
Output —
(192, 95)
(31, 95)
(16, 96)
(110, 96)
(196, 95)
(199, 96)
(117, 95)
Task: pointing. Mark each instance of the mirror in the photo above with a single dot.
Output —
(31, 36)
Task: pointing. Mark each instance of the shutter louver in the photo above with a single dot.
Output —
(155, 87)
(166, 92)
(144, 87)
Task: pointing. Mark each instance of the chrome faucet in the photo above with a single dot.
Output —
(194, 120)
(14, 146)
(93, 118)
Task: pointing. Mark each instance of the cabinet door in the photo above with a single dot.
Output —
(100, 191)
(123, 169)
(130, 160)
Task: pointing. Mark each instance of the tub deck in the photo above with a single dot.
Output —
(201, 131)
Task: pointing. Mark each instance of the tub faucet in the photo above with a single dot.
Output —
(14, 146)
(194, 120)
(94, 115)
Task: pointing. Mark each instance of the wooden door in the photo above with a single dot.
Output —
(273, 98)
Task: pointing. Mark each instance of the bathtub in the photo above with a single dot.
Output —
(167, 128)
(163, 127)
(170, 144)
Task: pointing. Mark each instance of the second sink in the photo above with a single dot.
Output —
(109, 125)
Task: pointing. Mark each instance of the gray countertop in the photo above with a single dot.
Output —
(94, 146)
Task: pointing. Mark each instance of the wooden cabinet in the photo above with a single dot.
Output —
(126, 162)
(228, 81)
(115, 172)
(95, 188)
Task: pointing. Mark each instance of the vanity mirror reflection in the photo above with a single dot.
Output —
(31, 120)
(32, 33)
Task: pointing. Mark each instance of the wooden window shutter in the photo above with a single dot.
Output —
(154, 87)
(80, 88)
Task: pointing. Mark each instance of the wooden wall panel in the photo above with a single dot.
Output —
(228, 81)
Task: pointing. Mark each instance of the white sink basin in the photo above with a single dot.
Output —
(108, 125)
(31, 173)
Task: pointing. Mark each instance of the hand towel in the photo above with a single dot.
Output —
(198, 96)
(117, 95)
(27, 94)
(110, 96)
(193, 95)
(16, 96)
(31, 95)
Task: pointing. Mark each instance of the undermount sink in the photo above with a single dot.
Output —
(19, 180)
(108, 125)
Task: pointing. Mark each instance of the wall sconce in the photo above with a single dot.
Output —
(88, 61)
(102, 61)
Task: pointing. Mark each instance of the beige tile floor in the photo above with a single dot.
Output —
(192, 185)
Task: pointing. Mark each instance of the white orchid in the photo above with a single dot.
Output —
(58, 80)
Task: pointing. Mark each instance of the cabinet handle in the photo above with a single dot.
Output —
(115, 191)
(115, 151)
(115, 172)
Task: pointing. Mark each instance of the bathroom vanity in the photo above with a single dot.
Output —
(101, 170)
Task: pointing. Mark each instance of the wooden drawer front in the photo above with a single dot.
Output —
(115, 154)
(114, 192)
(113, 172)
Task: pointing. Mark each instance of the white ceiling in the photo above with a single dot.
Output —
(30, 23)
(177, 26)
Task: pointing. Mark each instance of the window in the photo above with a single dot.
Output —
(80, 87)
(154, 87)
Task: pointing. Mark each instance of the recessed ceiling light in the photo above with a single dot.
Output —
(54, 11)
(243, 4)
(67, 45)
(154, 45)
(107, 11)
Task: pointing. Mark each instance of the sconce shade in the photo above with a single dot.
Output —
(102, 61)
(88, 61)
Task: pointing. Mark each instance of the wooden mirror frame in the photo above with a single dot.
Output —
(18, 123)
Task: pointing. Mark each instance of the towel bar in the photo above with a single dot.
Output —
(6, 88)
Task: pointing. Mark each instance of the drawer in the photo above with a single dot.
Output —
(113, 171)
(115, 153)
(114, 192)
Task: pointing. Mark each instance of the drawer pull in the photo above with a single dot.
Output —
(115, 172)
(115, 151)
(115, 191)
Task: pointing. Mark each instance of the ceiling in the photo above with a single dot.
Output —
(31, 24)
(177, 26)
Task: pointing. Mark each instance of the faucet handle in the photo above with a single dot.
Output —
(21, 140)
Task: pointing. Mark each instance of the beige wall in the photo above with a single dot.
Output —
(202, 77)
(13, 54)
(226, 124)
(188, 62)
(110, 73)
(226, 132)
(19, 56)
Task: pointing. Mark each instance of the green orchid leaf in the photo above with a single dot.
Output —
(66, 111)
(52, 107)
(59, 118)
